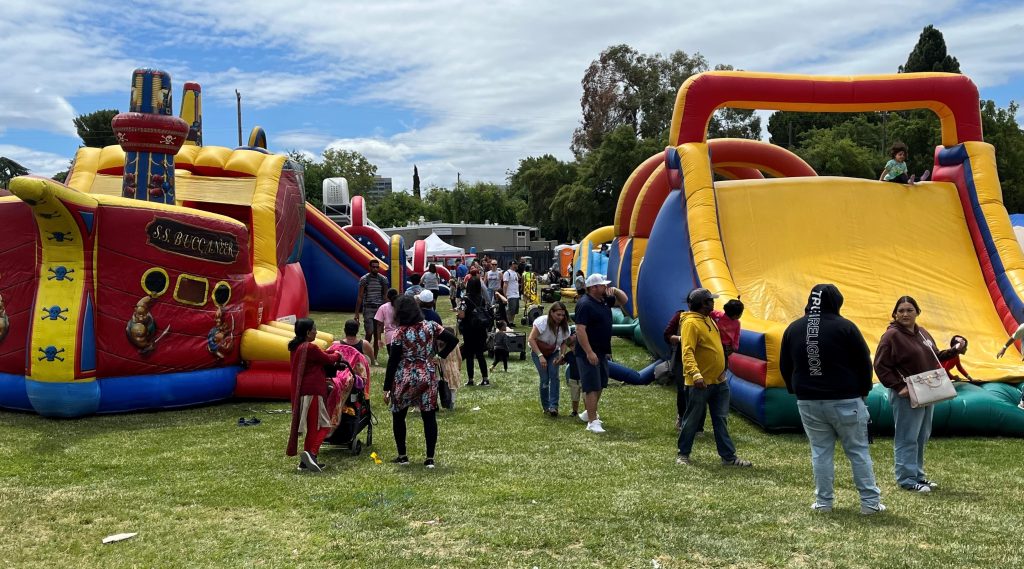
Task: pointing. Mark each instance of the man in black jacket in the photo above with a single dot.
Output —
(826, 363)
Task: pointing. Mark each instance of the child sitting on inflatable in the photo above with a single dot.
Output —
(896, 169)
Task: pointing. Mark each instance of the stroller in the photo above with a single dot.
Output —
(349, 401)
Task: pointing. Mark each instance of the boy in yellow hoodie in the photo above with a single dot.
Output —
(704, 374)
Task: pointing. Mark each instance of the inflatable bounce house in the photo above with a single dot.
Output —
(334, 258)
(947, 242)
(158, 270)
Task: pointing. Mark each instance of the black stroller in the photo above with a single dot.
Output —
(354, 413)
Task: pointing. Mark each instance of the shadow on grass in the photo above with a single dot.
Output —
(56, 434)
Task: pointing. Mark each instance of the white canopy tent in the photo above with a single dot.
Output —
(437, 246)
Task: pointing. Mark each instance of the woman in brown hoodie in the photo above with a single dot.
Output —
(907, 349)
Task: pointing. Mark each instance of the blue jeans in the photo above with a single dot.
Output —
(845, 420)
(716, 398)
(550, 389)
(490, 295)
(913, 428)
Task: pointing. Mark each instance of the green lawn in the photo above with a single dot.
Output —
(513, 488)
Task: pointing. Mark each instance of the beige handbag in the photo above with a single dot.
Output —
(929, 387)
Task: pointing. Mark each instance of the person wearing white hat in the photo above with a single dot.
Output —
(594, 343)
(426, 300)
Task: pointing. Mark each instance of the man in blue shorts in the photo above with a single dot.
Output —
(594, 343)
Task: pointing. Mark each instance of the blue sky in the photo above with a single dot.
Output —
(454, 87)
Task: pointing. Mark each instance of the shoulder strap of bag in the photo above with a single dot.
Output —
(931, 349)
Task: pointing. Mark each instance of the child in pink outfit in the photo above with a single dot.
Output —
(729, 325)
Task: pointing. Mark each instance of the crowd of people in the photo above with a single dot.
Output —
(824, 361)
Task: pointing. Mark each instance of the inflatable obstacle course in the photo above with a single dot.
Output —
(770, 240)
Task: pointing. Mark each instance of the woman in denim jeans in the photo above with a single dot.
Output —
(547, 334)
(907, 349)
(826, 363)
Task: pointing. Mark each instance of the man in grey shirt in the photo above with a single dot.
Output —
(492, 280)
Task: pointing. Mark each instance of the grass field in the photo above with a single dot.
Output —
(513, 488)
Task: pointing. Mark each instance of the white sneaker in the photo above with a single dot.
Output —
(823, 508)
(595, 426)
(872, 510)
(585, 417)
(1021, 404)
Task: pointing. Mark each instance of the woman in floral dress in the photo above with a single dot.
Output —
(411, 379)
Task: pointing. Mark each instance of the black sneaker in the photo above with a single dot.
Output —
(429, 463)
(470, 383)
(400, 460)
(242, 422)
(302, 466)
(929, 483)
(252, 422)
(309, 460)
(485, 382)
(918, 487)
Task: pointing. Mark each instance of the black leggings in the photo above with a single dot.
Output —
(429, 430)
(501, 356)
(481, 357)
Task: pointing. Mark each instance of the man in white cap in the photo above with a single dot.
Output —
(594, 343)
(426, 300)
(704, 373)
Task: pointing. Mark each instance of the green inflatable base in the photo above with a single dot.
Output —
(987, 409)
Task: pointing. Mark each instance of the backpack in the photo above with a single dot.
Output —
(480, 319)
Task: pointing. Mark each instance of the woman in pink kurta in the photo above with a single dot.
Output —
(310, 414)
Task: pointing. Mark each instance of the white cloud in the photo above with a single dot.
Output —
(301, 140)
(37, 163)
(261, 89)
(464, 69)
(470, 66)
(46, 58)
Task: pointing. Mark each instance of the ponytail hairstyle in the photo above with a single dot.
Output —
(302, 328)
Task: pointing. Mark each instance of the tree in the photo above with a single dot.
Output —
(569, 206)
(786, 128)
(590, 200)
(831, 154)
(475, 203)
(535, 184)
(624, 87)
(396, 209)
(10, 169)
(929, 54)
(919, 129)
(335, 163)
(1002, 131)
(94, 128)
(416, 181)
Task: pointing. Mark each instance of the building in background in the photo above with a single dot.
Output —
(484, 236)
(381, 188)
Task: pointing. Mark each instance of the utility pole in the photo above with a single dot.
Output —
(238, 105)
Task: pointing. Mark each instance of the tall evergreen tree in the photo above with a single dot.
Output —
(930, 54)
(10, 169)
(94, 128)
